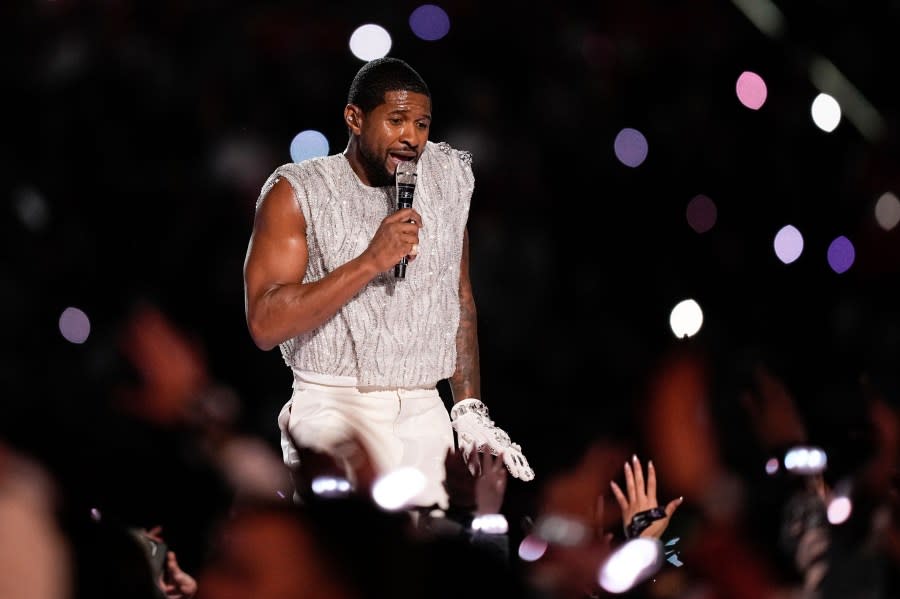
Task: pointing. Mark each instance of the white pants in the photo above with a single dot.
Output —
(399, 427)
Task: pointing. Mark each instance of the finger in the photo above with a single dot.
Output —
(629, 483)
(407, 216)
(473, 463)
(641, 490)
(620, 497)
(673, 505)
(651, 482)
(499, 464)
(486, 464)
(404, 215)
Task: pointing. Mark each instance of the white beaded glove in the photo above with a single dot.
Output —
(476, 430)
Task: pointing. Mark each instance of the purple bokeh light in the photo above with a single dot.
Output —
(631, 147)
(429, 22)
(74, 325)
(841, 254)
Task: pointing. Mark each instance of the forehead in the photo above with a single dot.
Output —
(406, 101)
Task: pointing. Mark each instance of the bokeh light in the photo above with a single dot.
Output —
(560, 530)
(826, 112)
(491, 524)
(805, 460)
(701, 213)
(429, 22)
(370, 41)
(788, 244)
(394, 490)
(31, 207)
(532, 548)
(751, 90)
(631, 563)
(308, 144)
(841, 254)
(330, 486)
(887, 211)
(686, 318)
(74, 325)
(772, 465)
(631, 147)
(839, 509)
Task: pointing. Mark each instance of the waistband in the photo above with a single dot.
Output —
(333, 380)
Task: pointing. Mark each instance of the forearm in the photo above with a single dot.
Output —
(283, 311)
(466, 380)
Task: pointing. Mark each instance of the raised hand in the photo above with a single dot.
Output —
(475, 482)
(639, 500)
(176, 583)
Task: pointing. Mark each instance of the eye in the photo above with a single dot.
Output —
(422, 125)
(395, 121)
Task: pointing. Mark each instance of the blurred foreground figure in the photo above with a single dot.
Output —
(368, 343)
(34, 554)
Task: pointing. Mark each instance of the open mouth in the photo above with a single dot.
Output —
(397, 158)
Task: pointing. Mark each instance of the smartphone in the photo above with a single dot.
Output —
(156, 552)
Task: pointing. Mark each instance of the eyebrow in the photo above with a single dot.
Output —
(404, 111)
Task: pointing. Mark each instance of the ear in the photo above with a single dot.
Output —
(353, 118)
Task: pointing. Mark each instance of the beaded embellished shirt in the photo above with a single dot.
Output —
(394, 332)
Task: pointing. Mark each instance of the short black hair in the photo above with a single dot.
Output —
(382, 75)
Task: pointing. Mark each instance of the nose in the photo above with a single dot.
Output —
(411, 136)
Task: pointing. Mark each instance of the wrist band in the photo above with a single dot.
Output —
(492, 524)
(642, 520)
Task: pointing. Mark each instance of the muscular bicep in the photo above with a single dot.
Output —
(277, 253)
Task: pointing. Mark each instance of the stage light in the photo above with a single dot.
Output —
(887, 211)
(826, 112)
(370, 41)
(686, 318)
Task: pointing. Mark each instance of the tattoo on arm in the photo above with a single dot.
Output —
(466, 381)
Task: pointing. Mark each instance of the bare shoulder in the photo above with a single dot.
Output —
(277, 209)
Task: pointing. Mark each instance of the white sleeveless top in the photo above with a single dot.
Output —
(394, 332)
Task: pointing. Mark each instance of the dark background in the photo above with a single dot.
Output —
(147, 129)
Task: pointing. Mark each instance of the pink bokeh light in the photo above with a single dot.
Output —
(751, 90)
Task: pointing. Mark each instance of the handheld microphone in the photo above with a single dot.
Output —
(405, 183)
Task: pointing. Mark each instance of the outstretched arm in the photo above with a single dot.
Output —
(471, 421)
(278, 304)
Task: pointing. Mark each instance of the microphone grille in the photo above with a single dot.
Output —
(407, 167)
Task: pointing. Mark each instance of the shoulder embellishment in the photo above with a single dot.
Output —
(463, 155)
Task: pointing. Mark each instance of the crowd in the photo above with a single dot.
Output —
(702, 473)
